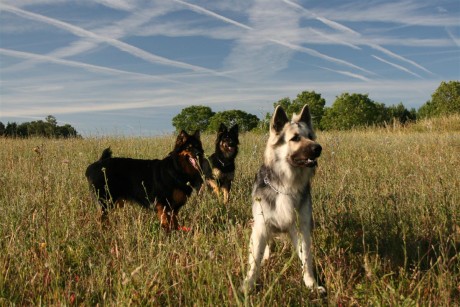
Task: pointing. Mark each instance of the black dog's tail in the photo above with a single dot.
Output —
(107, 153)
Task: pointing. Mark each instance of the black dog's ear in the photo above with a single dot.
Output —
(279, 119)
(197, 134)
(234, 132)
(222, 128)
(234, 129)
(181, 138)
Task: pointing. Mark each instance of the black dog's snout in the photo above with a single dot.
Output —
(316, 148)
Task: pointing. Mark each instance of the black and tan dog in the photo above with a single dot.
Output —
(219, 168)
(162, 184)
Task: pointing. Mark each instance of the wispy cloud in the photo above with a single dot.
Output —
(401, 58)
(409, 12)
(397, 66)
(63, 58)
(95, 68)
(149, 57)
(334, 25)
(261, 33)
(202, 10)
(354, 34)
(456, 40)
(347, 73)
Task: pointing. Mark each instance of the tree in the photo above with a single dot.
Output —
(2, 129)
(315, 103)
(444, 101)
(11, 129)
(400, 113)
(66, 131)
(353, 110)
(48, 128)
(193, 118)
(245, 121)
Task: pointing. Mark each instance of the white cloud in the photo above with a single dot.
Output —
(397, 66)
(149, 57)
(95, 68)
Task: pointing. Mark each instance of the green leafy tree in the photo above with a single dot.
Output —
(400, 113)
(353, 110)
(48, 128)
(193, 118)
(285, 103)
(51, 126)
(315, 103)
(11, 129)
(2, 129)
(245, 121)
(444, 101)
(66, 131)
(290, 107)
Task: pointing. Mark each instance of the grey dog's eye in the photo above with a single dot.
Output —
(295, 138)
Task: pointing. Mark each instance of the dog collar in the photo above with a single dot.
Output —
(223, 164)
(267, 182)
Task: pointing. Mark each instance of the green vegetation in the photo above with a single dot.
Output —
(386, 211)
(245, 121)
(348, 111)
(193, 118)
(48, 128)
(444, 101)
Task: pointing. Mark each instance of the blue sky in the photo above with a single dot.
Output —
(127, 67)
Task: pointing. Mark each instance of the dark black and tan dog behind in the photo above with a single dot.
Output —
(163, 184)
(219, 168)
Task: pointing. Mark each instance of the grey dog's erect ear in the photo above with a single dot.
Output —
(305, 116)
(279, 119)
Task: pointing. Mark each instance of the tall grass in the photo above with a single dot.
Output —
(386, 210)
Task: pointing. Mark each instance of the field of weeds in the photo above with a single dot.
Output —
(386, 209)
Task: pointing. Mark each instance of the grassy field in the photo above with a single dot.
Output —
(386, 209)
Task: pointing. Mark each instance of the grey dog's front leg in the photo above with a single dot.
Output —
(257, 247)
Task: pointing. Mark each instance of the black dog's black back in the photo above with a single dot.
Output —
(129, 179)
(165, 184)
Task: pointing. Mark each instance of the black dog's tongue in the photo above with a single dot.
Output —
(193, 162)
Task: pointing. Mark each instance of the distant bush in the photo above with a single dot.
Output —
(245, 121)
(444, 101)
(193, 118)
(48, 128)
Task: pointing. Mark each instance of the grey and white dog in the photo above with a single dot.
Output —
(281, 193)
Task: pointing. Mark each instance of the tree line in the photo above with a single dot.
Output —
(348, 111)
(47, 128)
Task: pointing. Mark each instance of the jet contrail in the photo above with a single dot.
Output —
(309, 51)
(46, 58)
(397, 66)
(113, 42)
(343, 28)
(346, 73)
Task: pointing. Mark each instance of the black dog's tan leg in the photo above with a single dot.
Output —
(168, 220)
(215, 186)
(226, 192)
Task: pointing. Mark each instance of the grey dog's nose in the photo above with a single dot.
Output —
(316, 148)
